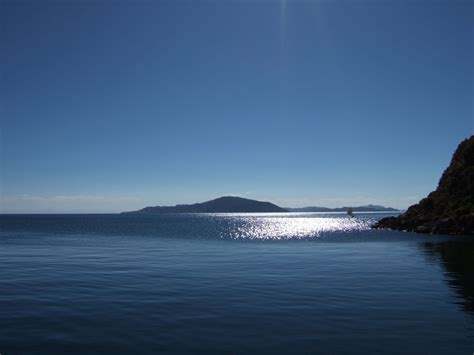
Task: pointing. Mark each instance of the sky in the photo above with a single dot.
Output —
(115, 105)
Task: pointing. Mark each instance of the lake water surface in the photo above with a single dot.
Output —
(231, 283)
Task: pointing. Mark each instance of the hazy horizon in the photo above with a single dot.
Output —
(114, 106)
(59, 200)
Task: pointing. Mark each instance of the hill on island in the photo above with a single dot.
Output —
(219, 205)
(450, 208)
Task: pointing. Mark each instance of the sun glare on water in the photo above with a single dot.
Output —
(278, 228)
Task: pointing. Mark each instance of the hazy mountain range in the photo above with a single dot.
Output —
(238, 204)
(368, 208)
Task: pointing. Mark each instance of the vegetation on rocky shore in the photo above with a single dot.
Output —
(450, 208)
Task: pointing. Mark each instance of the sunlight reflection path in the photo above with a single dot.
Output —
(293, 228)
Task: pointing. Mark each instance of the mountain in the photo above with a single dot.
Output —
(368, 208)
(450, 208)
(239, 204)
(221, 204)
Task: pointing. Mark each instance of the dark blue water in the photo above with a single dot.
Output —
(276, 283)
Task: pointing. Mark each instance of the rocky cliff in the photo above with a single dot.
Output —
(450, 208)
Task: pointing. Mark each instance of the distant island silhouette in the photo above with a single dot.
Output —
(218, 205)
(368, 208)
(229, 204)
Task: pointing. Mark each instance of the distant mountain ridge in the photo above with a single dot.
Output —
(229, 204)
(368, 208)
(226, 204)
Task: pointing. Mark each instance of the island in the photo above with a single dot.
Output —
(229, 204)
(450, 208)
(225, 204)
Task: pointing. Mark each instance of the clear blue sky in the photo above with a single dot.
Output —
(113, 105)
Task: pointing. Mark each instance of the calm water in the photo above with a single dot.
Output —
(261, 283)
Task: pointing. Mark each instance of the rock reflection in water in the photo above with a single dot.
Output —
(457, 257)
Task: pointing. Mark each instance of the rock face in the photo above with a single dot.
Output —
(450, 208)
(221, 204)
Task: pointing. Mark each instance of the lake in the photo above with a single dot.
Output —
(231, 283)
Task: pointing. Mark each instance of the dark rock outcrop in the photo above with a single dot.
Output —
(450, 208)
(221, 204)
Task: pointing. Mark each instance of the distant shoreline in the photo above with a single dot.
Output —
(171, 213)
(232, 204)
